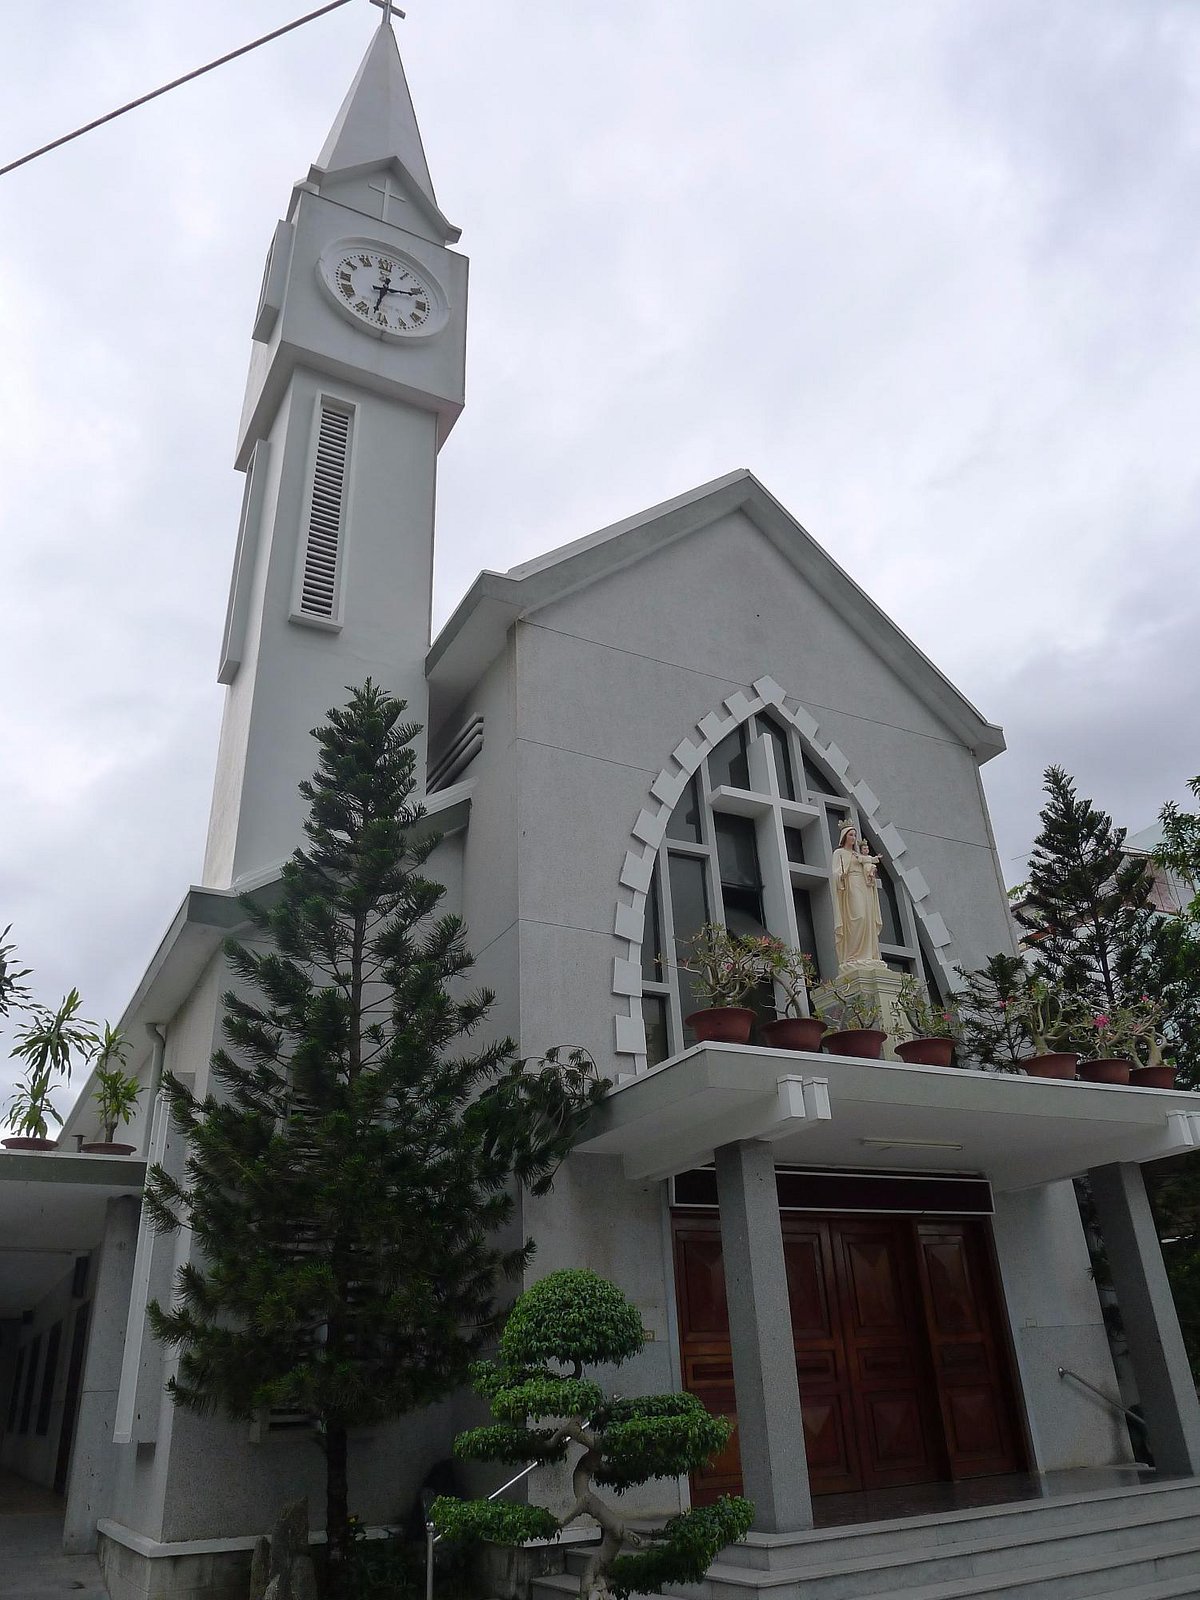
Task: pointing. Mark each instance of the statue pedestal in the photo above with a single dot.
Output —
(871, 980)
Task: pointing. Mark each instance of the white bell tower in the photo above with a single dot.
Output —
(356, 379)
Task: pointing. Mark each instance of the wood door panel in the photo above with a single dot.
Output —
(975, 1395)
(897, 1420)
(901, 1377)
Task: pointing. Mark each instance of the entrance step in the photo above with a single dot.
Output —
(1140, 1543)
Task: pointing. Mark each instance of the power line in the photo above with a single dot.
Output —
(174, 84)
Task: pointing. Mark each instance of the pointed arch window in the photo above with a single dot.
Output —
(750, 844)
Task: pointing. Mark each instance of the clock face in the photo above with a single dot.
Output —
(383, 291)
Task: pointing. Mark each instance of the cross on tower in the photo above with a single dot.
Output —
(388, 192)
(387, 8)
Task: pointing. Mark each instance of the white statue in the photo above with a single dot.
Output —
(857, 918)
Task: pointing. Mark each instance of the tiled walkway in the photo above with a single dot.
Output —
(32, 1563)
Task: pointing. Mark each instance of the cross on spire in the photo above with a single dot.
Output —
(389, 191)
(387, 7)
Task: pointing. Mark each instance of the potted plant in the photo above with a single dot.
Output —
(725, 968)
(1047, 1017)
(1144, 1031)
(934, 1027)
(1108, 1034)
(116, 1093)
(46, 1043)
(991, 1025)
(858, 1029)
(793, 973)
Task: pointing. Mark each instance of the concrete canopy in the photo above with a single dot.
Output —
(832, 1111)
(475, 633)
(53, 1208)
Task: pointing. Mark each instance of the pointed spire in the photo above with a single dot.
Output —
(377, 123)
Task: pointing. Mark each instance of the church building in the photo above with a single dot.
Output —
(878, 1269)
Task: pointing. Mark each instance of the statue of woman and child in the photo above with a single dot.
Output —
(857, 917)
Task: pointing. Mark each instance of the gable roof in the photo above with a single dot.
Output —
(475, 633)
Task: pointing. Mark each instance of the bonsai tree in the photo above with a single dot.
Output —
(116, 1091)
(545, 1405)
(352, 1171)
(724, 966)
(846, 1007)
(1049, 1017)
(928, 1019)
(791, 970)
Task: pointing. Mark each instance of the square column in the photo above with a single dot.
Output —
(1160, 1363)
(92, 1466)
(770, 1425)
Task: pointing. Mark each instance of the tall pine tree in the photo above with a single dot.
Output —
(347, 1180)
(1083, 896)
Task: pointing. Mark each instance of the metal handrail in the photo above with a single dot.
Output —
(432, 1537)
(1065, 1372)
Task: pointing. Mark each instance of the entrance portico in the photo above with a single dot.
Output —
(746, 1109)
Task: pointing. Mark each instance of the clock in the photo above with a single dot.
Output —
(382, 290)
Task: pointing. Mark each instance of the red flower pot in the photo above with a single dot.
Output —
(23, 1143)
(793, 1033)
(865, 1042)
(1106, 1069)
(102, 1149)
(1143, 1077)
(1062, 1064)
(926, 1052)
(722, 1024)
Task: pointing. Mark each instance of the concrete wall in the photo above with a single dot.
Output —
(1055, 1319)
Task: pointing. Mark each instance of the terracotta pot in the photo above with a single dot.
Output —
(793, 1033)
(1062, 1064)
(102, 1149)
(1106, 1069)
(926, 1052)
(722, 1024)
(1143, 1077)
(23, 1143)
(865, 1042)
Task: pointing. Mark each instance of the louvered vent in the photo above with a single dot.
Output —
(326, 515)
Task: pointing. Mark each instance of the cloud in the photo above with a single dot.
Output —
(928, 270)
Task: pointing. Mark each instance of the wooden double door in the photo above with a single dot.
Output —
(903, 1374)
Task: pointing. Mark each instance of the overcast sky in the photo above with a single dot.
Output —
(929, 269)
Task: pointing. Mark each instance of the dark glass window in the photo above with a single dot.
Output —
(893, 929)
(652, 950)
(654, 1015)
(689, 902)
(793, 838)
(898, 963)
(49, 1373)
(806, 933)
(684, 821)
(815, 781)
(35, 1351)
(14, 1398)
(783, 757)
(741, 880)
(737, 852)
(727, 766)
